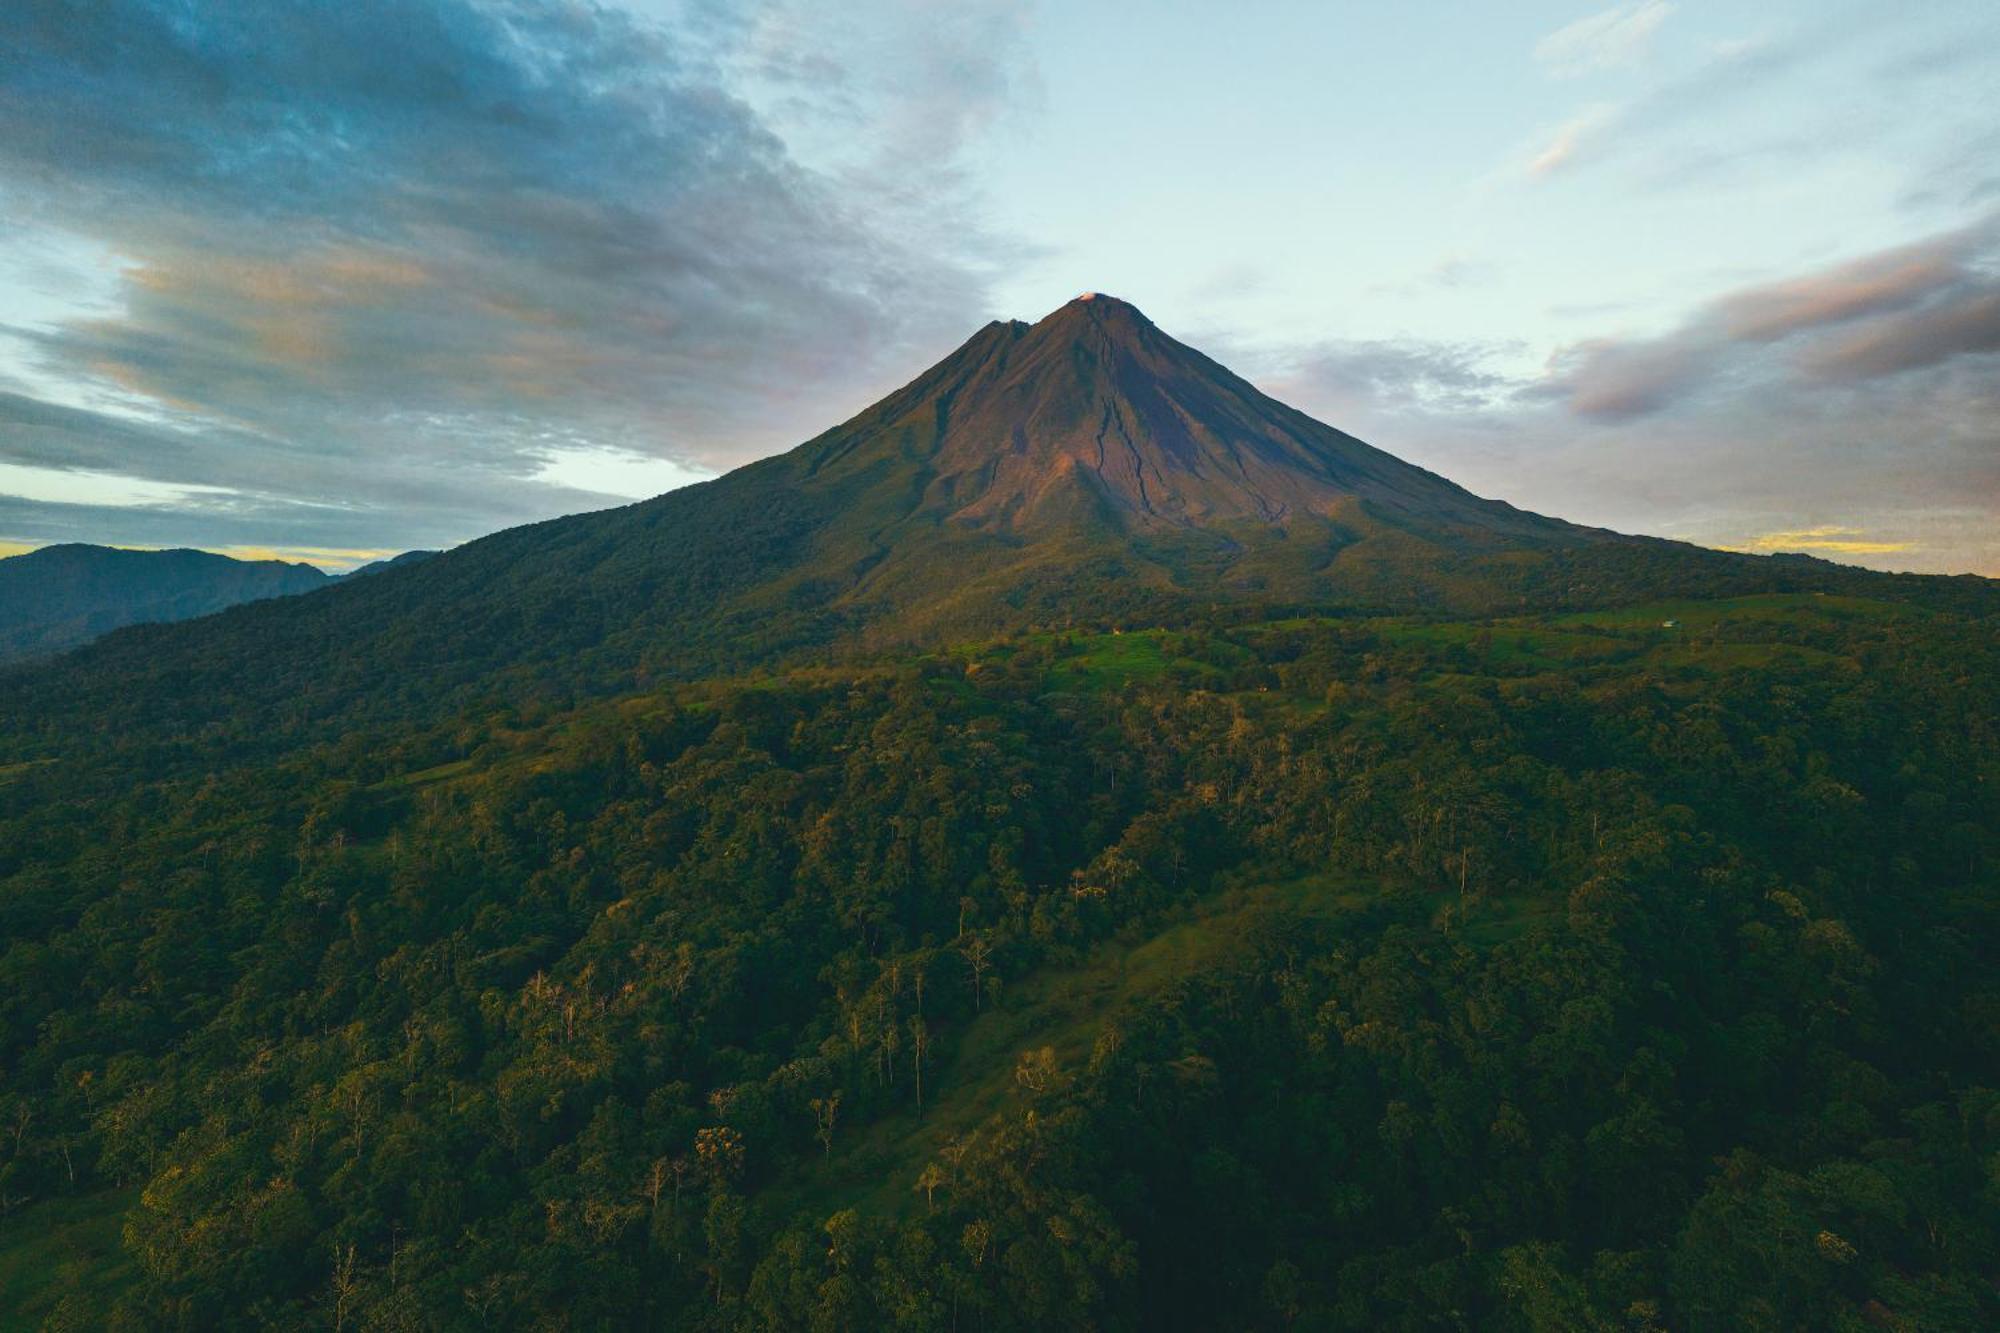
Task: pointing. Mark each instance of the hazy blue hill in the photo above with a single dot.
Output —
(60, 596)
(393, 562)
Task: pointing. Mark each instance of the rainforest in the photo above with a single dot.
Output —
(1609, 970)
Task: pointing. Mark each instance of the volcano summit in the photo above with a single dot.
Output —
(1095, 407)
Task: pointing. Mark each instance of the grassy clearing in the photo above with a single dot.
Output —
(1081, 662)
(1772, 608)
(1105, 661)
(1725, 634)
(64, 1248)
(424, 777)
(1092, 662)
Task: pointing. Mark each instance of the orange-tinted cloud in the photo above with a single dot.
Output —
(1866, 286)
(1969, 323)
(1826, 539)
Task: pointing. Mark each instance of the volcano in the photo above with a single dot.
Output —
(1084, 469)
(1095, 408)
(1090, 459)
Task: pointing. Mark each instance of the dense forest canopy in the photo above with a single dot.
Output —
(1618, 970)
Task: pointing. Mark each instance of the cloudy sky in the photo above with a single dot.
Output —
(334, 281)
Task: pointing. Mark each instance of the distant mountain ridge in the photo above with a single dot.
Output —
(60, 596)
(393, 562)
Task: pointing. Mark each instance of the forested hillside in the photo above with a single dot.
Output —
(1613, 970)
(60, 596)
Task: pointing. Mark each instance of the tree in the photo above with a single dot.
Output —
(1037, 1070)
(979, 957)
(825, 1111)
(920, 1049)
(928, 1181)
(345, 1286)
(719, 1151)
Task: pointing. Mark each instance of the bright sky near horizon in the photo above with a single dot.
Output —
(333, 280)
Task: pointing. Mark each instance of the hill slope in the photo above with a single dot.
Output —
(60, 596)
(1556, 972)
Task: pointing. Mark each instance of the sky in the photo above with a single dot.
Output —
(329, 282)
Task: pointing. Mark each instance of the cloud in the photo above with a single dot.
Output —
(1870, 285)
(1868, 318)
(1610, 379)
(1829, 538)
(70, 473)
(111, 489)
(1607, 40)
(1965, 176)
(615, 471)
(540, 226)
(1228, 282)
(1965, 323)
(1455, 271)
(1732, 111)
(1849, 410)
(1382, 378)
(876, 91)
(1460, 271)
(1572, 139)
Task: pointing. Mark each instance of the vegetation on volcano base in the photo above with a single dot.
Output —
(1544, 972)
